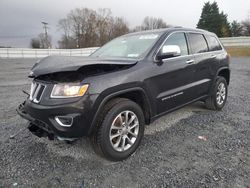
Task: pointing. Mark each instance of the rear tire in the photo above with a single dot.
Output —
(218, 97)
(120, 129)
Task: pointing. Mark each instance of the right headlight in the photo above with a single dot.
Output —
(68, 90)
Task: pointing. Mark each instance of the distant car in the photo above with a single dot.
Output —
(129, 82)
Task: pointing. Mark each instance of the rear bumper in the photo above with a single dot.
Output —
(44, 118)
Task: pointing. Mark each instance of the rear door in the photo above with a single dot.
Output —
(203, 63)
(216, 53)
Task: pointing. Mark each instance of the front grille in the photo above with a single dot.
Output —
(36, 91)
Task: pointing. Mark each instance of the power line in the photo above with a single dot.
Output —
(16, 36)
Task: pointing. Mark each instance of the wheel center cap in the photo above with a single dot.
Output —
(124, 130)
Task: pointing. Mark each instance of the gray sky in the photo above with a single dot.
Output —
(20, 20)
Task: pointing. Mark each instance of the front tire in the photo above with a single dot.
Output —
(218, 97)
(121, 129)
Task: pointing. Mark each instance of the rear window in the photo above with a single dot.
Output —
(213, 43)
(198, 43)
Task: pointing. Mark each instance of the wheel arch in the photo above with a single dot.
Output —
(137, 95)
(224, 72)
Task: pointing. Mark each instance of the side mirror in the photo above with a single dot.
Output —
(168, 51)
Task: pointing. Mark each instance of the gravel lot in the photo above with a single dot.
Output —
(171, 154)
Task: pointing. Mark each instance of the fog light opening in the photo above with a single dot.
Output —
(64, 121)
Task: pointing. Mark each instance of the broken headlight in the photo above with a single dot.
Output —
(68, 90)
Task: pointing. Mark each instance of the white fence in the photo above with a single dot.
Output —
(39, 53)
(235, 41)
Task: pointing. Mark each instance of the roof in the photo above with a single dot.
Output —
(170, 29)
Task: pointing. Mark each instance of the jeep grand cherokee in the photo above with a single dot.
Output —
(129, 82)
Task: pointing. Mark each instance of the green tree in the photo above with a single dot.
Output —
(236, 29)
(212, 20)
(246, 27)
(225, 25)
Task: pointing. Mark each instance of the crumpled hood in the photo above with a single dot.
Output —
(53, 64)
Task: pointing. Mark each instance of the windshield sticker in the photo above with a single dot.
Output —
(133, 55)
(151, 36)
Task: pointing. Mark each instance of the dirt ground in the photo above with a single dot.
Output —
(191, 147)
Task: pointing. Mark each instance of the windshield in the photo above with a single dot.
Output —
(132, 46)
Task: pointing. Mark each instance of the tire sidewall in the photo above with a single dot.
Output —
(106, 146)
(217, 83)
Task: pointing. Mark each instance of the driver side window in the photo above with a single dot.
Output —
(178, 39)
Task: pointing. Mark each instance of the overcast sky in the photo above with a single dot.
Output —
(20, 20)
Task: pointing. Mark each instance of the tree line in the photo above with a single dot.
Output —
(83, 27)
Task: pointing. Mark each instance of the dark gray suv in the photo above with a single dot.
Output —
(129, 82)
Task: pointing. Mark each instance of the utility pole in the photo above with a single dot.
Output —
(45, 27)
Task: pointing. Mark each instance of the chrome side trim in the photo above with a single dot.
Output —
(181, 89)
(172, 96)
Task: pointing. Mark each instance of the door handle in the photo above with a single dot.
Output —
(213, 56)
(190, 61)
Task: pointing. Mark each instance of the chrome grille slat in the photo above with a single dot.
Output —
(36, 91)
(32, 89)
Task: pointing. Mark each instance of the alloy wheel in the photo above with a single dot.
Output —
(221, 94)
(124, 131)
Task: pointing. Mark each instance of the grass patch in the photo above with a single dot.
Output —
(235, 51)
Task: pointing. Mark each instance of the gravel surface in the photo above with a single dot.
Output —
(191, 147)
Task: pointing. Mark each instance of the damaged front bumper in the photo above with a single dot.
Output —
(65, 122)
(36, 126)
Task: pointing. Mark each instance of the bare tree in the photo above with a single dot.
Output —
(45, 41)
(153, 23)
(35, 43)
(104, 24)
(137, 28)
(64, 25)
(119, 27)
(150, 23)
(90, 28)
(66, 40)
(83, 24)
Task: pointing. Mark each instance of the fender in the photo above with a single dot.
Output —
(112, 95)
(217, 73)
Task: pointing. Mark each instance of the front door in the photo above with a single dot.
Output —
(172, 85)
